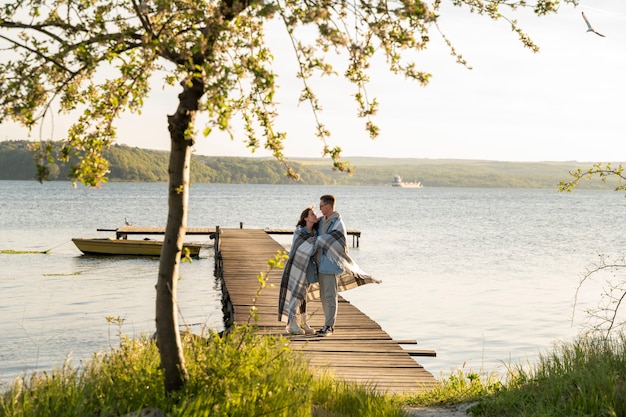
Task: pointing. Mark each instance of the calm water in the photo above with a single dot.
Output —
(484, 277)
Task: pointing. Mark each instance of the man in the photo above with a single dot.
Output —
(331, 229)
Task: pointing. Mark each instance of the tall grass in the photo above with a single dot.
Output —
(339, 398)
(458, 387)
(585, 377)
(107, 385)
(238, 374)
(244, 374)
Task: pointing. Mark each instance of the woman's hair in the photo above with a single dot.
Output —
(303, 216)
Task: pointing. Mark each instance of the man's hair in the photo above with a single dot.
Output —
(328, 199)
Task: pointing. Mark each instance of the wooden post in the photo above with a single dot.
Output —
(216, 245)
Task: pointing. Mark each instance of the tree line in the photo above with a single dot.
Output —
(134, 164)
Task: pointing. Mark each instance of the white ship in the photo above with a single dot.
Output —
(397, 182)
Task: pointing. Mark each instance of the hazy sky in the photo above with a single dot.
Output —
(564, 103)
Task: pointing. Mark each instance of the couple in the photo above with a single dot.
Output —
(318, 265)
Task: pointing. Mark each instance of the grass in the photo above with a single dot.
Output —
(22, 252)
(586, 377)
(239, 374)
(583, 377)
(459, 387)
(243, 374)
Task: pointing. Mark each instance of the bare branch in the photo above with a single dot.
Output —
(604, 316)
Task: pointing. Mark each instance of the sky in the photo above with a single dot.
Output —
(565, 103)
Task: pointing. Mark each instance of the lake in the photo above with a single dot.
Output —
(484, 277)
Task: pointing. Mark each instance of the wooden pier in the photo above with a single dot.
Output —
(359, 350)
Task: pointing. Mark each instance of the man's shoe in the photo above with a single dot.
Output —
(325, 331)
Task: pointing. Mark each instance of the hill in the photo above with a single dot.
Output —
(460, 173)
(136, 164)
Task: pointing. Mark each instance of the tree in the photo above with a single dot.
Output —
(95, 59)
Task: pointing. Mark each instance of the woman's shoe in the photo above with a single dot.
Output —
(307, 329)
(293, 328)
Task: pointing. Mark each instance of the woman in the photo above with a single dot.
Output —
(294, 282)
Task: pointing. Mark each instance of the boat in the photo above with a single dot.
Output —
(398, 182)
(132, 247)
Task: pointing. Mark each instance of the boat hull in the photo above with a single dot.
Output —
(108, 246)
(407, 185)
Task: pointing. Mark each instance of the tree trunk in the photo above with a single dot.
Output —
(168, 335)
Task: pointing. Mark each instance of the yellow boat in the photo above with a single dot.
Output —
(108, 246)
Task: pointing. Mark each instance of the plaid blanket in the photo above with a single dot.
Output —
(294, 291)
(334, 243)
(293, 285)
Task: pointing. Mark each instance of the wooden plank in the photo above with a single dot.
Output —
(422, 352)
(146, 230)
(359, 350)
(406, 342)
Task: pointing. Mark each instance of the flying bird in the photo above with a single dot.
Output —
(589, 28)
(127, 222)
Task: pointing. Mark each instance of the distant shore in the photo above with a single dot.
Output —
(144, 165)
